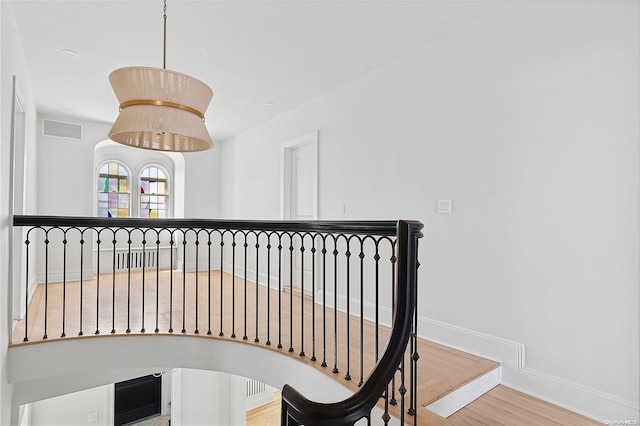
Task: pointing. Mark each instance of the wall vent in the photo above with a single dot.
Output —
(60, 129)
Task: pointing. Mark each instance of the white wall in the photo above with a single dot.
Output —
(11, 64)
(208, 398)
(528, 122)
(92, 406)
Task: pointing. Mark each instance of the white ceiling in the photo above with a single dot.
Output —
(252, 53)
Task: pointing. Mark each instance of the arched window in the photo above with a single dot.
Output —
(154, 193)
(113, 190)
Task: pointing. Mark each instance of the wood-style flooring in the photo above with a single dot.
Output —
(501, 406)
(209, 304)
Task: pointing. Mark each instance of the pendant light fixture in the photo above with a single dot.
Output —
(160, 109)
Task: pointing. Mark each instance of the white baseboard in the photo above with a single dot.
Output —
(454, 401)
(58, 276)
(258, 400)
(515, 374)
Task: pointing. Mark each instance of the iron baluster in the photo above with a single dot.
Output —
(268, 324)
(290, 292)
(257, 339)
(171, 241)
(244, 336)
(209, 284)
(81, 277)
(197, 331)
(46, 282)
(324, 301)
(113, 285)
(301, 294)
(335, 306)
(313, 297)
(144, 262)
(184, 281)
(279, 290)
(348, 338)
(129, 284)
(157, 329)
(26, 291)
(361, 256)
(233, 286)
(221, 334)
(64, 283)
(98, 285)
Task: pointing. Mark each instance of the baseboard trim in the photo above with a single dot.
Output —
(58, 276)
(515, 374)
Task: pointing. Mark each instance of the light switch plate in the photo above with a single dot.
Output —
(444, 207)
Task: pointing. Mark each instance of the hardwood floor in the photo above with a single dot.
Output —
(266, 415)
(177, 303)
(503, 406)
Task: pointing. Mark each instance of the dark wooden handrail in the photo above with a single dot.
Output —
(298, 410)
(387, 227)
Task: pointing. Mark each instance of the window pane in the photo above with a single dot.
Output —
(113, 189)
(153, 184)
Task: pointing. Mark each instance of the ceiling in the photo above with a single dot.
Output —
(261, 58)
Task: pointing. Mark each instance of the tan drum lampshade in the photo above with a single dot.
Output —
(160, 110)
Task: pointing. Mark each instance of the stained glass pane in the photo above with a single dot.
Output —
(113, 168)
(123, 212)
(104, 169)
(101, 184)
(153, 184)
(124, 185)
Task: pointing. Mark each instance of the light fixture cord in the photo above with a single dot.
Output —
(164, 46)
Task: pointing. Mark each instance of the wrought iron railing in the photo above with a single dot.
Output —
(332, 291)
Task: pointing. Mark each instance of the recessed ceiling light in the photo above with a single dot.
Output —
(69, 52)
(269, 104)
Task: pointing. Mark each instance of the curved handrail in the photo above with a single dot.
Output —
(297, 410)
